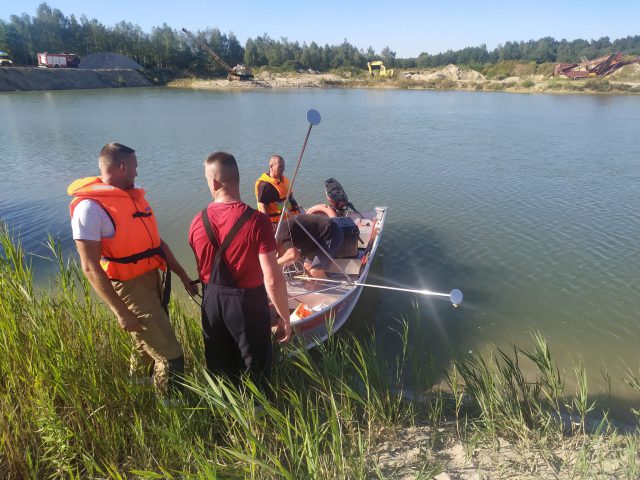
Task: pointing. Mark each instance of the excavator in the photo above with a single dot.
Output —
(239, 72)
(378, 66)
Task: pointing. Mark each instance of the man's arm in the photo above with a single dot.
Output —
(277, 291)
(174, 266)
(294, 205)
(90, 254)
(264, 197)
(291, 255)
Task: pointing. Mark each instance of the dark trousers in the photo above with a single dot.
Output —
(237, 332)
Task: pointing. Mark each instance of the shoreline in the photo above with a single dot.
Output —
(452, 78)
(625, 81)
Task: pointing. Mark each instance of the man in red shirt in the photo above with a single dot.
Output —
(236, 256)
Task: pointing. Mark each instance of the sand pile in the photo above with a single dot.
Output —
(108, 61)
(453, 72)
(628, 73)
(450, 72)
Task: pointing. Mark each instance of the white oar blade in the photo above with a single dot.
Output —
(455, 296)
(313, 117)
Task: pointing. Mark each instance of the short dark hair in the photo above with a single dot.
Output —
(226, 167)
(113, 153)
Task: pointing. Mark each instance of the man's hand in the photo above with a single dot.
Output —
(283, 330)
(90, 253)
(293, 255)
(290, 256)
(190, 286)
(129, 322)
(175, 267)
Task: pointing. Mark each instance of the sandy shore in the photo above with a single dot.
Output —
(424, 451)
(626, 80)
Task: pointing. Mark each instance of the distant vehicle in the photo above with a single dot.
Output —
(5, 60)
(379, 68)
(58, 60)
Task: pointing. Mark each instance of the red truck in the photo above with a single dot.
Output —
(58, 60)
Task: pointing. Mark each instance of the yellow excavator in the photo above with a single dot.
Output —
(378, 68)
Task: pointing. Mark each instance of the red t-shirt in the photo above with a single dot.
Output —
(255, 237)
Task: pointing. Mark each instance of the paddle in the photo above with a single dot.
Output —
(313, 117)
(455, 295)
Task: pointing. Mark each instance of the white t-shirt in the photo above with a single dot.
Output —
(91, 222)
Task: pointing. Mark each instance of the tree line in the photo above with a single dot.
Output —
(543, 50)
(23, 36)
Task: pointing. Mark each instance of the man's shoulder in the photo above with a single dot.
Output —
(264, 183)
(267, 192)
(260, 218)
(222, 212)
(87, 207)
(196, 223)
(197, 218)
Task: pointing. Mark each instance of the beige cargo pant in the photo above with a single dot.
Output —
(157, 344)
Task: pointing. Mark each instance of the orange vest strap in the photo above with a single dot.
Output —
(136, 257)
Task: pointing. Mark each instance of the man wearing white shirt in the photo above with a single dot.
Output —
(122, 255)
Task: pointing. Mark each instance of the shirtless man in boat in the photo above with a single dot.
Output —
(302, 236)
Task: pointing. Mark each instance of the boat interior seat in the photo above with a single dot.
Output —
(350, 266)
(365, 226)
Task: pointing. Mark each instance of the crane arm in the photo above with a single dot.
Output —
(206, 48)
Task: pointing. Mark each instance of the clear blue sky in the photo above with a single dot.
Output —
(408, 27)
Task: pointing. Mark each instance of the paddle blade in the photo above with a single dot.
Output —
(313, 117)
(455, 296)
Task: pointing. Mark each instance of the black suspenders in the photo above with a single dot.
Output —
(218, 267)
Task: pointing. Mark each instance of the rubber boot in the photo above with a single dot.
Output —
(175, 375)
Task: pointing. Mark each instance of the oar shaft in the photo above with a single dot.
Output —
(409, 290)
(293, 179)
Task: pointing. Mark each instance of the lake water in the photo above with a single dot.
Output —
(527, 203)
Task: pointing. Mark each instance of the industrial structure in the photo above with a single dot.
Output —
(599, 67)
(239, 72)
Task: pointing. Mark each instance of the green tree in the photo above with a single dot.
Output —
(388, 57)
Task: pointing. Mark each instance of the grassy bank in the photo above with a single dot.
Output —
(68, 409)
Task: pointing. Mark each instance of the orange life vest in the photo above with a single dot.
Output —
(135, 247)
(274, 209)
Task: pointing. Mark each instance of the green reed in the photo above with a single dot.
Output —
(69, 410)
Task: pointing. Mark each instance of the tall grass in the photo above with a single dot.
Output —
(68, 408)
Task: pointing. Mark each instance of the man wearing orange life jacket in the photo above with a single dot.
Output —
(271, 191)
(122, 254)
